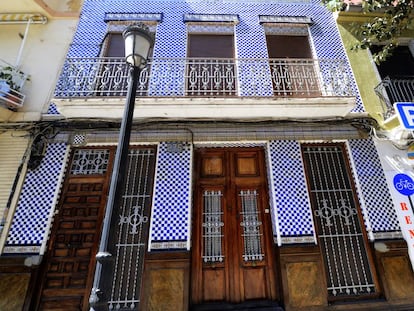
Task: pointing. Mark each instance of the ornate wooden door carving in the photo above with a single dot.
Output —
(232, 257)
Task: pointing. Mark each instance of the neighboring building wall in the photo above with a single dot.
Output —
(363, 65)
(364, 71)
(44, 42)
(38, 50)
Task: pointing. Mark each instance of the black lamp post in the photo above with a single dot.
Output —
(138, 42)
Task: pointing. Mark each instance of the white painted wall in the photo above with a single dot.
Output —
(19, 6)
(42, 58)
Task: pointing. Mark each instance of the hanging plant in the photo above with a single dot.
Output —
(13, 77)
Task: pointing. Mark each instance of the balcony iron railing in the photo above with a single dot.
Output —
(393, 90)
(195, 77)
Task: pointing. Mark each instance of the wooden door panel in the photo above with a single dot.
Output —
(247, 165)
(72, 245)
(67, 270)
(213, 258)
(213, 165)
(214, 284)
(254, 283)
(254, 255)
(245, 271)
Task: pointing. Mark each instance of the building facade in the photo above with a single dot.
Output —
(34, 36)
(253, 179)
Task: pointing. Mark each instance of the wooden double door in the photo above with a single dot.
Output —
(232, 253)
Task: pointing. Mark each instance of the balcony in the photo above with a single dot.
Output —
(11, 82)
(392, 90)
(257, 86)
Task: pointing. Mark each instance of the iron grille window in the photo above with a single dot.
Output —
(122, 279)
(213, 227)
(340, 233)
(251, 226)
(90, 162)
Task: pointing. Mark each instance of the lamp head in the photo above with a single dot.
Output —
(138, 43)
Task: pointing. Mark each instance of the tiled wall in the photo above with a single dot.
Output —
(170, 221)
(373, 188)
(292, 216)
(291, 206)
(171, 32)
(171, 212)
(37, 202)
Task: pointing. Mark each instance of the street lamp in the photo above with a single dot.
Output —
(138, 43)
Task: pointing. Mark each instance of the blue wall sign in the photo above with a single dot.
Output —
(404, 184)
(405, 112)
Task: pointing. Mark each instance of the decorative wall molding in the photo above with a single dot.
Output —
(29, 249)
(285, 19)
(229, 18)
(211, 27)
(157, 245)
(286, 29)
(388, 235)
(155, 17)
(296, 239)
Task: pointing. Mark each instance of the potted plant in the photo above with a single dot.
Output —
(11, 81)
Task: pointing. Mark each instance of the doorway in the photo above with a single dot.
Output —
(232, 253)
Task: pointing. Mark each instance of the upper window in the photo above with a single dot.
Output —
(292, 67)
(287, 46)
(399, 64)
(397, 75)
(209, 45)
(211, 66)
(115, 45)
(113, 72)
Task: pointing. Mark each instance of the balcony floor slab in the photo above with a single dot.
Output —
(246, 108)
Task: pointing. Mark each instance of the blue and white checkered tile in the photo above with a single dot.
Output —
(36, 203)
(170, 221)
(52, 109)
(291, 196)
(373, 185)
(171, 37)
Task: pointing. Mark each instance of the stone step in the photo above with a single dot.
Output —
(245, 306)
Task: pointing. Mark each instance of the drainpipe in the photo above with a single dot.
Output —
(19, 56)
